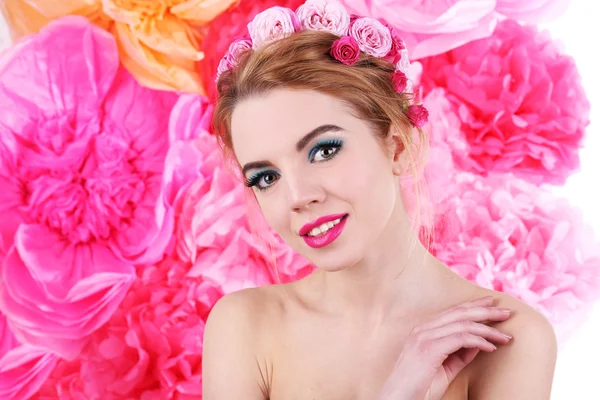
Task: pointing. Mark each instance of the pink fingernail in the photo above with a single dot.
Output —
(506, 310)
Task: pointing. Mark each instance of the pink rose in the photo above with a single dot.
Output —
(232, 57)
(223, 66)
(403, 63)
(520, 98)
(345, 50)
(272, 24)
(398, 46)
(400, 80)
(436, 26)
(230, 24)
(237, 49)
(324, 15)
(372, 36)
(417, 114)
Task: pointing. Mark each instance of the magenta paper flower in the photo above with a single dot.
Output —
(82, 149)
(521, 102)
(213, 230)
(231, 24)
(435, 26)
(23, 368)
(152, 346)
(515, 238)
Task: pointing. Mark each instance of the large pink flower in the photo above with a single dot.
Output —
(515, 238)
(23, 368)
(152, 346)
(213, 230)
(521, 102)
(431, 27)
(82, 149)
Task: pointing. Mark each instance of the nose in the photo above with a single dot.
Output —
(304, 191)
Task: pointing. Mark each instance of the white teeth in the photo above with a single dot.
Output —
(324, 228)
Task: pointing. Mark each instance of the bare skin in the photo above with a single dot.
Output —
(339, 333)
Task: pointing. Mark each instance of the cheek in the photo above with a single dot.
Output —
(274, 212)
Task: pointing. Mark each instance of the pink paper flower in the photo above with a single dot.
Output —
(417, 114)
(324, 15)
(272, 24)
(152, 346)
(80, 170)
(435, 26)
(372, 36)
(521, 102)
(230, 24)
(345, 50)
(534, 11)
(23, 368)
(518, 239)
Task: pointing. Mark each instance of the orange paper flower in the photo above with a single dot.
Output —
(159, 40)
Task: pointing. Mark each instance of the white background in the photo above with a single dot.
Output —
(578, 368)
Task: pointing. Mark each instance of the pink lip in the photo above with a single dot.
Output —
(318, 222)
(326, 238)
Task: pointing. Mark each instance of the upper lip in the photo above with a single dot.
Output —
(318, 222)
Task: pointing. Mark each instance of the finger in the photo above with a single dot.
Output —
(482, 301)
(477, 314)
(475, 328)
(456, 362)
(449, 344)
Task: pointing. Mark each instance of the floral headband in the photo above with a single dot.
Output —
(357, 34)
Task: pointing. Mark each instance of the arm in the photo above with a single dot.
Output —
(522, 370)
(229, 365)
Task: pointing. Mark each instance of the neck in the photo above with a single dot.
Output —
(398, 279)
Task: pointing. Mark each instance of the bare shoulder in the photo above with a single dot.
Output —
(233, 360)
(523, 368)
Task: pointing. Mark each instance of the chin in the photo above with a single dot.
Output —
(334, 261)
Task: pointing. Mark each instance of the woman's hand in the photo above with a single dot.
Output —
(437, 350)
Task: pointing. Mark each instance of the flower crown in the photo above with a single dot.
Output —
(366, 34)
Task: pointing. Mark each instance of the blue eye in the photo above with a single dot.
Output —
(322, 151)
(326, 149)
(262, 180)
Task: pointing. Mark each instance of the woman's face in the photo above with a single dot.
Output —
(307, 157)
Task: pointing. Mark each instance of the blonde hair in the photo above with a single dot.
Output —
(303, 61)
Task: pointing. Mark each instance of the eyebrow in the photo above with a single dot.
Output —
(299, 146)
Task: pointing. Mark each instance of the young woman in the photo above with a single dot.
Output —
(322, 135)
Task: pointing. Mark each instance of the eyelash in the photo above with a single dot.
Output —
(325, 144)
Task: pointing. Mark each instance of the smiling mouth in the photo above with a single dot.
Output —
(325, 227)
